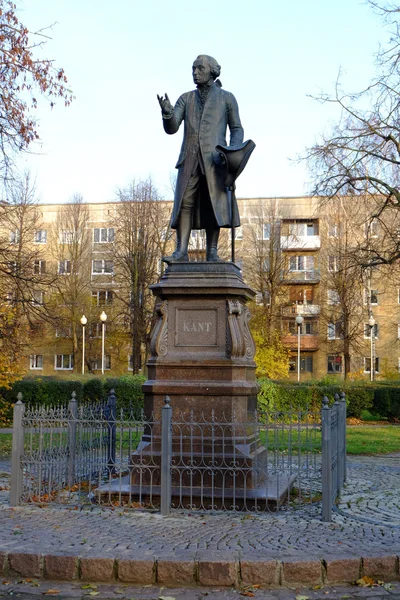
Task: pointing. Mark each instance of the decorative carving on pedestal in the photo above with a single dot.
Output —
(159, 336)
(239, 339)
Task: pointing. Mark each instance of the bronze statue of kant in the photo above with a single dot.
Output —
(202, 198)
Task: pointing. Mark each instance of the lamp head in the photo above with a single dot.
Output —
(371, 321)
(299, 319)
(103, 317)
(83, 320)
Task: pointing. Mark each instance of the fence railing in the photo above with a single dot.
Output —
(101, 454)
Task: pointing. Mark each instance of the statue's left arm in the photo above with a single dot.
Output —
(234, 123)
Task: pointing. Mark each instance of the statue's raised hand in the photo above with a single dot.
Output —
(166, 106)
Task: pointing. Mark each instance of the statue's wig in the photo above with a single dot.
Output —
(214, 66)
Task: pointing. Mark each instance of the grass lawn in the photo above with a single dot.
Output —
(373, 439)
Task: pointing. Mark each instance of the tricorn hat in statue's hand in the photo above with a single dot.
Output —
(235, 159)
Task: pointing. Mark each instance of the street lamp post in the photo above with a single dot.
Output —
(83, 323)
(299, 321)
(103, 319)
(371, 323)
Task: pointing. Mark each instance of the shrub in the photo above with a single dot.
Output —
(358, 399)
(386, 402)
(128, 390)
(93, 390)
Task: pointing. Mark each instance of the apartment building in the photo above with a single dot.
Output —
(292, 251)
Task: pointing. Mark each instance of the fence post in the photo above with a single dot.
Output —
(343, 404)
(112, 431)
(339, 463)
(326, 461)
(166, 457)
(72, 426)
(17, 452)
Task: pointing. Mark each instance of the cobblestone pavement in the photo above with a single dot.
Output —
(28, 590)
(366, 524)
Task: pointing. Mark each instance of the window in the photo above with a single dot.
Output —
(39, 267)
(40, 236)
(307, 328)
(266, 264)
(14, 237)
(63, 362)
(334, 363)
(103, 234)
(63, 332)
(301, 263)
(239, 233)
(102, 267)
(102, 297)
(367, 330)
(96, 363)
(335, 331)
(367, 364)
(36, 361)
(333, 264)
(95, 330)
(333, 297)
(67, 237)
(263, 298)
(372, 228)
(371, 297)
(38, 298)
(12, 267)
(266, 231)
(306, 364)
(64, 267)
(333, 230)
(303, 229)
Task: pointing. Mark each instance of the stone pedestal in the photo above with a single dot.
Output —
(202, 358)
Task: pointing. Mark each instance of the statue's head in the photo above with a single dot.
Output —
(205, 68)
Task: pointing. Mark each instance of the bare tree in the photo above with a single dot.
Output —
(360, 156)
(23, 274)
(71, 247)
(343, 281)
(142, 235)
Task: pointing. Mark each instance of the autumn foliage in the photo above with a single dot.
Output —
(23, 78)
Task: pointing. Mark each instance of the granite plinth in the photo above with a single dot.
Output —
(201, 356)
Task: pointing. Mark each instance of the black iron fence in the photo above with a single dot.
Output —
(98, 454)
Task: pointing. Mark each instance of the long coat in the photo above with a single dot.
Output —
(204, 130)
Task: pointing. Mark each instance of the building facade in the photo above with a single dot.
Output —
(298, 255)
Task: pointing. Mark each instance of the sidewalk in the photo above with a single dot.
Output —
(283, 549)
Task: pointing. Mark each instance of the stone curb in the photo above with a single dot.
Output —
(268, 573)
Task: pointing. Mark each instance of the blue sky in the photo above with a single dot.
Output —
(119, 55)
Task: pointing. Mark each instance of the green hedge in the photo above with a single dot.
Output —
(386, 402)
(50, 391)
(283, 397)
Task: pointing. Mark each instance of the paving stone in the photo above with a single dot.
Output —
(136, 571)
(97, 569)
(176, 572)
(259, 572)
(60, 567)
(381, 567)
(345, 570)
(302, 572)
(217, 573)
(27, 565)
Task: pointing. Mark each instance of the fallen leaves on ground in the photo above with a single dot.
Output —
(300, 597)
(51, 592)
(365, 581)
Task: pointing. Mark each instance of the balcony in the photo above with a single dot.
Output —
(312, 276)
(300, 242)
(307, 310)
(308, 342)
